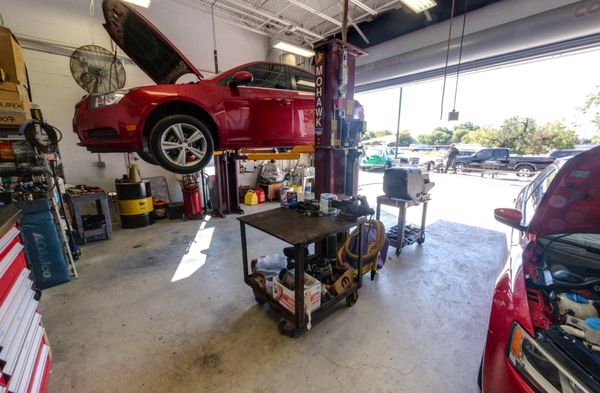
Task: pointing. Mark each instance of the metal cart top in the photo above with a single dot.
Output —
(295, 228)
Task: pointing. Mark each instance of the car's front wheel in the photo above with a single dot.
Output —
(181, 144)
(147, 157)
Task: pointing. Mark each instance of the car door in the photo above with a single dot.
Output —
(481, 157)
(303, 86)
(259, 114)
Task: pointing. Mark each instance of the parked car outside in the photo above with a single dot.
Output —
(375, 158)
(544, 327)
(523, 165)
(178, 126)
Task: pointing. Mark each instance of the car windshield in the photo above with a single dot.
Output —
(535, 191)
(374, 152)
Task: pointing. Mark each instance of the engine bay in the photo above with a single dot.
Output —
(563, 288)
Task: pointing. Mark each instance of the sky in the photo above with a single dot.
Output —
(546, 90)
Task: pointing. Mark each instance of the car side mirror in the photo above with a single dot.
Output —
(241, 78)
(510, 217)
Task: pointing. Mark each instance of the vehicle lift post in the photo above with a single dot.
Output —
(337, 133)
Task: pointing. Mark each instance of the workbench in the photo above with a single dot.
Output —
(403, 204)
(299, 231)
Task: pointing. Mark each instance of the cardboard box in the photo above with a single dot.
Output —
(12, 61)
(286, 297)
(344, 280)
(14, 109)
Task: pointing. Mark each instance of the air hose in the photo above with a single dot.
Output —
(373, 249)
(45, 139)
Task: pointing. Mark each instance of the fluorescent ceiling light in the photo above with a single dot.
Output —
(419, 5)
(141, 3)
(295, 49)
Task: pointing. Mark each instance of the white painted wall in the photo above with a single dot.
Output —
(70, 22)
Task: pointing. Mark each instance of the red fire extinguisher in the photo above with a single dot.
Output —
(192, 199)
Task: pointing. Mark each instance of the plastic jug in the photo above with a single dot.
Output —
(250, 198)
(260, 195)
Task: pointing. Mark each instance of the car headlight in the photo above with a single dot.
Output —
(538, 367)
(102, 100)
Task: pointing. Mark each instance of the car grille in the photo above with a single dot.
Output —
(103, 134)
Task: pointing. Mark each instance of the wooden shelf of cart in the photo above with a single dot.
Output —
(299, 231)
(399, 240)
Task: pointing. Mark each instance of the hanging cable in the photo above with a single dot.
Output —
(41, 136)
(447, 58)
(462, 40)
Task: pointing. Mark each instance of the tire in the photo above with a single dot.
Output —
(172, 146)
(147, 157)
(286, 328)
(460, 168)
(352, 298)
(524, 170)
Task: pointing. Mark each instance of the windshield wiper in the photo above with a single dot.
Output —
(560, 239)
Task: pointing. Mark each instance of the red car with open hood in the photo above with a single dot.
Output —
(178, 126)
(544, 330)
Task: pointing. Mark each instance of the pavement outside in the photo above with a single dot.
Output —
(164, 308)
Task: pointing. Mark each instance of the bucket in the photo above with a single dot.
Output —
(135, 204)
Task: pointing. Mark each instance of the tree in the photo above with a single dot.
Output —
(404, 138)
(461, 130)
(439, 136)
(593, 103)
(552, 136)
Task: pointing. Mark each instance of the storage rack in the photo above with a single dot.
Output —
(24, 351)
(402, 235)
(284, 224)
(50, 167)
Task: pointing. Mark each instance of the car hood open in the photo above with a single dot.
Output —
(144, 44)
(572, 202)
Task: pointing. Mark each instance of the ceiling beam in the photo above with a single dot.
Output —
(275, 18)
(392, 4)
(318, 13)
(365, 7)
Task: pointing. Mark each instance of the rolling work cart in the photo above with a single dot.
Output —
(402, 235)
(299, 231)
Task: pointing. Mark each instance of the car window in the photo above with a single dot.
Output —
(374, 152)
(499, 154)
(484, 155)
(266, 75)
(304, 81)
(536, 190)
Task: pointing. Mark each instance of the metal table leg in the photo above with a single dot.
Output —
(244, 251)
(423, 223)
(299, 287)
(401, 224)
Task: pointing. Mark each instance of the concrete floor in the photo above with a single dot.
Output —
(164, 309)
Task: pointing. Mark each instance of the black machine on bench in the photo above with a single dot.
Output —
(405, 187)
(406, 183)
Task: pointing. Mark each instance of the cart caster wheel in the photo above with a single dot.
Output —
(352, 298)
(397, 252)
(286, 328)
(259, 297)
(421, 240)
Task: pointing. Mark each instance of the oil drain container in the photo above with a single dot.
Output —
(135, 204)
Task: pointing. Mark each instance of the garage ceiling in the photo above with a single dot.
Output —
(308, 21)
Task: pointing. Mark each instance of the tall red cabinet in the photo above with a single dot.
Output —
(25, 361)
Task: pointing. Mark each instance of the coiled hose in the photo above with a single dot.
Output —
(44, 139)
(373, 249)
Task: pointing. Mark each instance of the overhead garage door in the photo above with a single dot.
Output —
(501, 33)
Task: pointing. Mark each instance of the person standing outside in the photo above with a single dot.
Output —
(453, 153)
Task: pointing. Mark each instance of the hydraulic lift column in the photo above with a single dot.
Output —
(337, 132)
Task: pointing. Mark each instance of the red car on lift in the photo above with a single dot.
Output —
(544, 330)
(178, 126)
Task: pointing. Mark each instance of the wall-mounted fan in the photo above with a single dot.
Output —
(97, 70)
